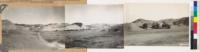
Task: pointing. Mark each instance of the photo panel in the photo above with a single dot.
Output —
(94, 26)
(30, 27)
(35, 26)
(156, 24)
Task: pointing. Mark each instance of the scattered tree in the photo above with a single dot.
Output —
(78, 23)
(144, 26)
(165, 26)
(155, 25)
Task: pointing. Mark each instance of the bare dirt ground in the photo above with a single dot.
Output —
(19, 37)
(94, 39)
(23, 39)
(176, 36)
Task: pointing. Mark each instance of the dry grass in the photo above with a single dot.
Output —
(176, 36)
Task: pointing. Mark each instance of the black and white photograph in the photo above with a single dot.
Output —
(94, 26)
(156, 24)
(34, 27)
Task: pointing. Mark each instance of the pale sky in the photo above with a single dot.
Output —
(155, 11)
(35, 15)
(100, 11)
(92, 14)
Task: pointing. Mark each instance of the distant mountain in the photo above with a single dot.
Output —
(168, 21)
(142, 21)
(64, 26)
(182, 21)
(73, 27)
(137, 24)
(54, 26)
(99, 26)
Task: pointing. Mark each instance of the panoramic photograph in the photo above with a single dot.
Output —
(94, 26)
(156, 24)
(28, 27)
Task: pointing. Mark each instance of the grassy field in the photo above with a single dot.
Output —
(176, 36)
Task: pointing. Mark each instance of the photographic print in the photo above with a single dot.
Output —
(94, 26)
(156, 24)
(30, 27)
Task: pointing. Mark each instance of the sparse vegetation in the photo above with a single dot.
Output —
(168, 32)
(112, 37)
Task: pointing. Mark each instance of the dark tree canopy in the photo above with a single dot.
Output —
(165, 25)
(144, 26)
(78, 23)
(155, 25)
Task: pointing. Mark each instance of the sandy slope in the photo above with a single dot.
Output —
(23, 39)
(19, 38)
